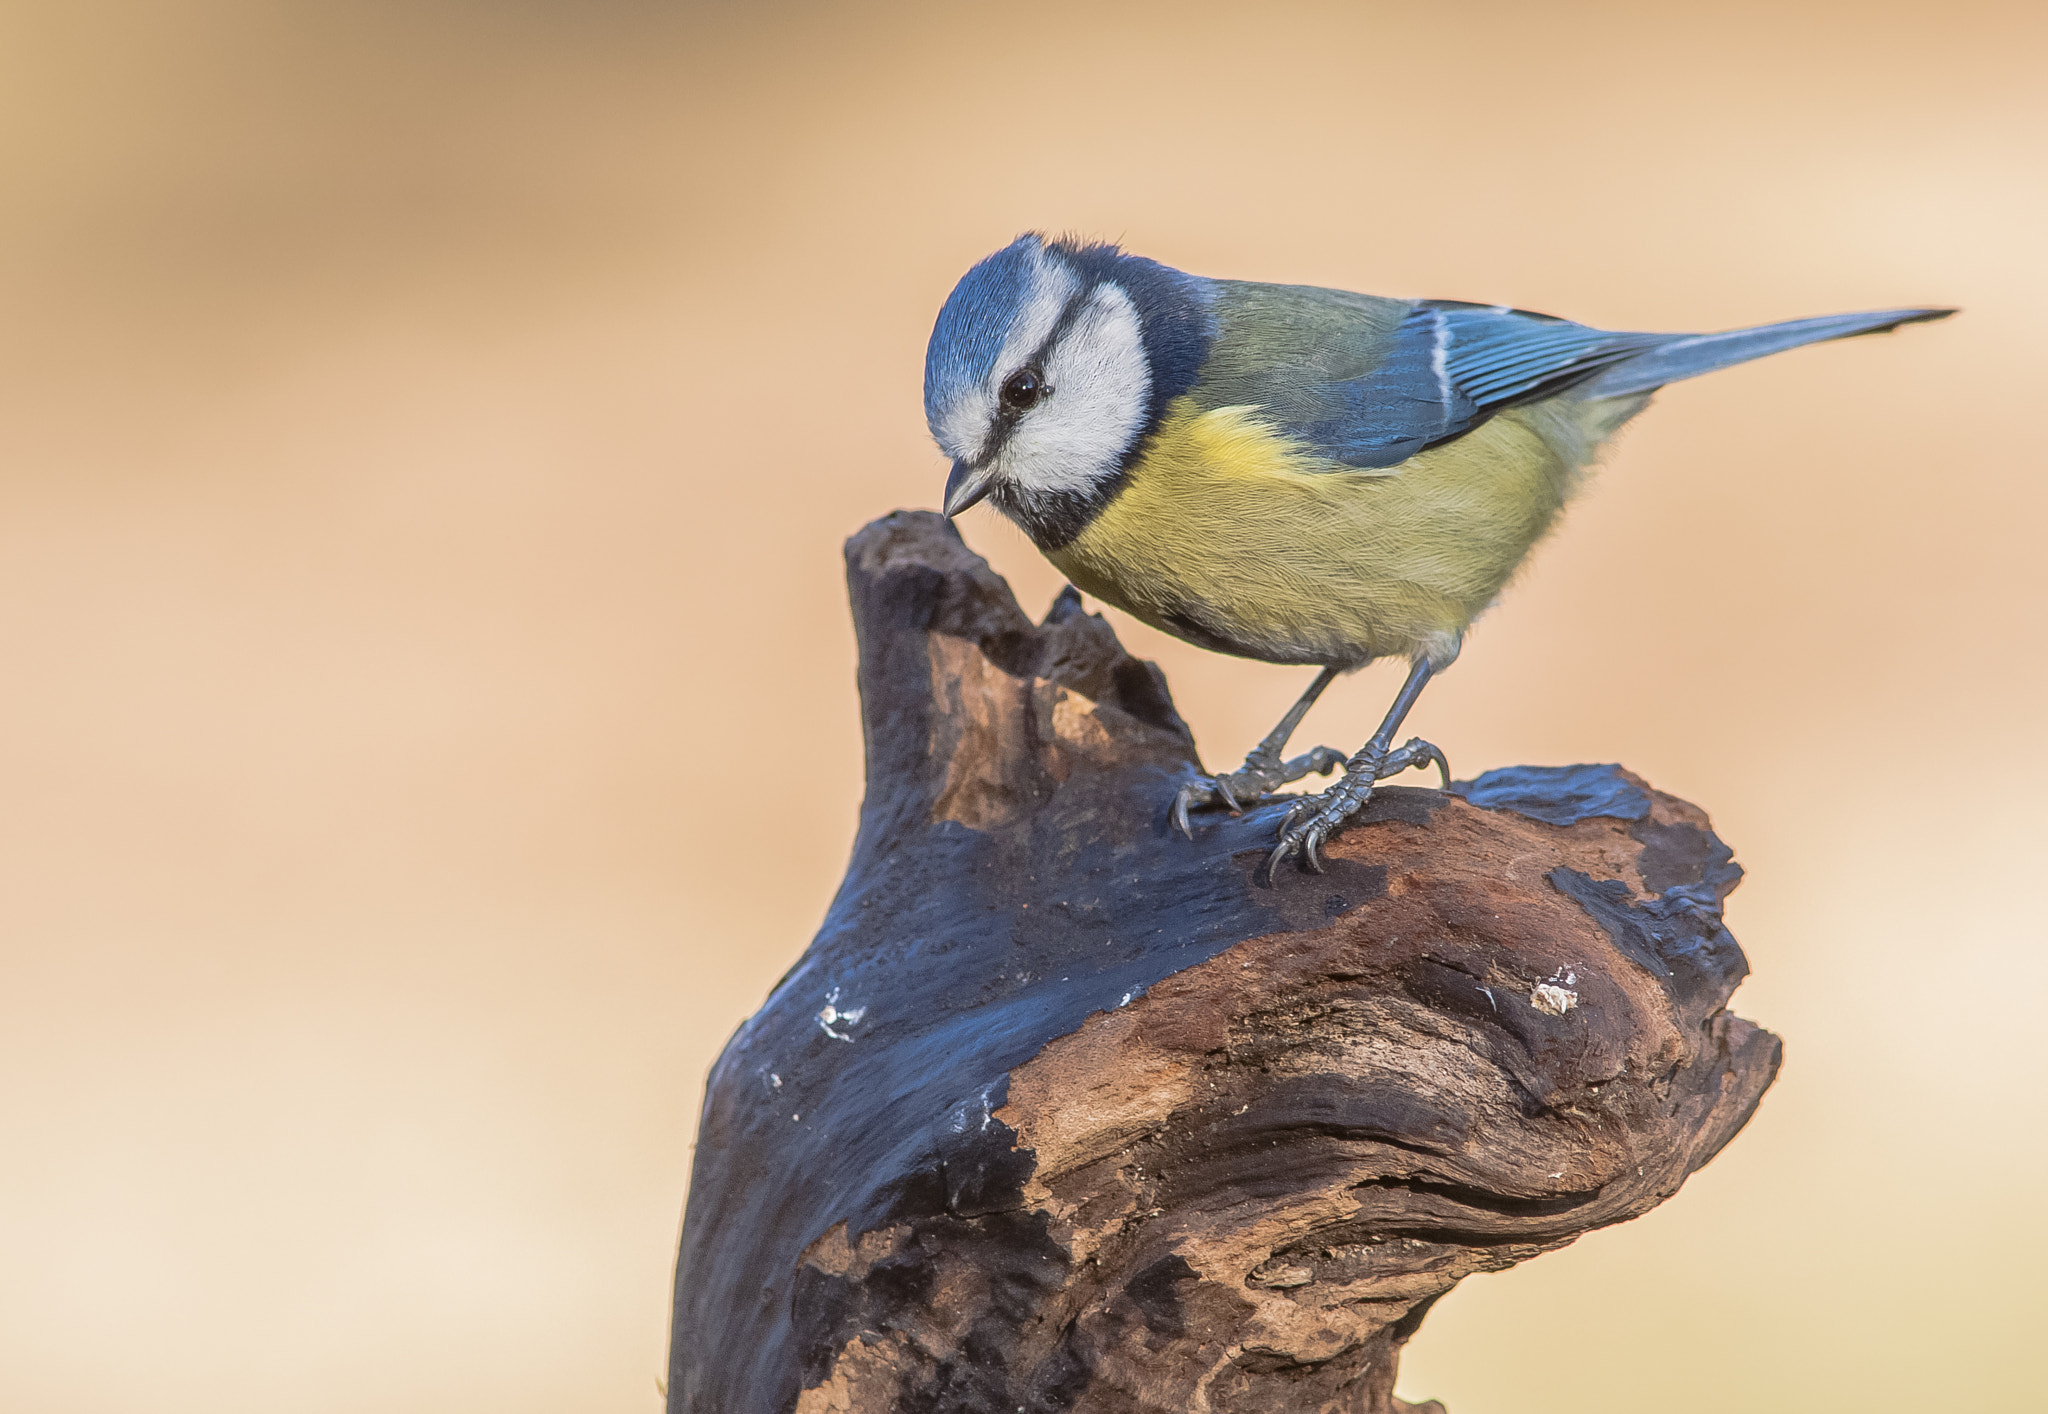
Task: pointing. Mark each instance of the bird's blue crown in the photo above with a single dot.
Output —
(977, 318)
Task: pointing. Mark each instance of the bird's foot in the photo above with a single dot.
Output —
(1260, 776)
(1317, 817)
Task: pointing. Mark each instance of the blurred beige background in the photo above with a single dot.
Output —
(427, 725)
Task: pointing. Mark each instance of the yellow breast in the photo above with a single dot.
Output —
(1228, 534)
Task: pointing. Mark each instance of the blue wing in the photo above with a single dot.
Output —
(1448, 366)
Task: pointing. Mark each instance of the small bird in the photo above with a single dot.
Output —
(1289, 473)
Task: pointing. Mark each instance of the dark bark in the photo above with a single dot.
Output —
(1062, 1112)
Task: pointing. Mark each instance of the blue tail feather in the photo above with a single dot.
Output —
(1689, 355)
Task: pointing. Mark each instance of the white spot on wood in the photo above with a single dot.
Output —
(1282, 1278)
(962, 1116)
(831, 1016)
(1552, 999)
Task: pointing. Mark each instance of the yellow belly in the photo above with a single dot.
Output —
(1231, 536)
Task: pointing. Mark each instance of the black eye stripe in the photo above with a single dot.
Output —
(1007, 410)
(1076, 302)
(1034, 368)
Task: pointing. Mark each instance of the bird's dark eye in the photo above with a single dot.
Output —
(1023, 389)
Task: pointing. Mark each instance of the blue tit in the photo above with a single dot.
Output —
(1287, 473)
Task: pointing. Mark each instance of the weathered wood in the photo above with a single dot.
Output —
(1062, 1112)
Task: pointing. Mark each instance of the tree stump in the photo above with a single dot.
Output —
(1063, 1112)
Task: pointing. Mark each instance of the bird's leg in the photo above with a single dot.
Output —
(1319, 816)
(1263, 770)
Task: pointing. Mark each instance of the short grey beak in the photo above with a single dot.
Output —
(966, 486)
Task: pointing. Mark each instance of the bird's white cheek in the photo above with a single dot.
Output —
(962, 427)
(1100, 387)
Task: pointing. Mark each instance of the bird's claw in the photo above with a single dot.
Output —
(1256, 779)
(1319, 762)
(1313, 819)
(1416, 754)
(1207, 790)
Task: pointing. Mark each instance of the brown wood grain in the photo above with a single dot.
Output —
(1064, 1112)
